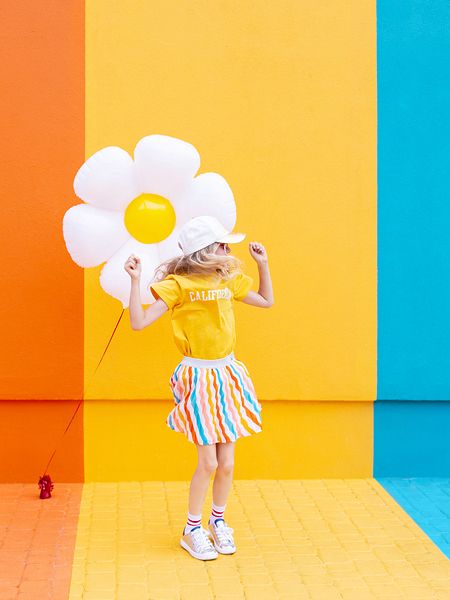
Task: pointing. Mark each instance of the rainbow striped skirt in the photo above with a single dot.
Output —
(215, 400)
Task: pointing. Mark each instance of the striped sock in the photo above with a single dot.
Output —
(192, 522)
(217, 513)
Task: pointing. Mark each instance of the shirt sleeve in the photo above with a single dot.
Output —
(168, 290)
(241, 285)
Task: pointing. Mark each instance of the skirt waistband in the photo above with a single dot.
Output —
(203, 362)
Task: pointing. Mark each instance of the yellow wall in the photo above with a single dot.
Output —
(278, 97)
(128, 440)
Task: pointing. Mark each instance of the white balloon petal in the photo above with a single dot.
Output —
(92, 235)
(165, 165)
(169, 248)
(116, 281)
(208, 194)
(107, 179)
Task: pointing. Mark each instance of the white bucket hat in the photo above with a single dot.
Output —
(199, 232)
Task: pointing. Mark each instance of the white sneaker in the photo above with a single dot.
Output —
(222, 536)
(198, 544)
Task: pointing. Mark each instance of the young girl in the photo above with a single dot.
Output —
(214, 398)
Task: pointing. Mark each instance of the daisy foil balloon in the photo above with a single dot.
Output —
(137, 206)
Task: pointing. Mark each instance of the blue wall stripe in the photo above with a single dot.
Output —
(413, 78)
(411, 439)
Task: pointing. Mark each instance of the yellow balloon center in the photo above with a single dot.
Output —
(150, 218)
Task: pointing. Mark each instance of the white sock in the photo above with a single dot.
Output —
(217, 513)
(192, 522)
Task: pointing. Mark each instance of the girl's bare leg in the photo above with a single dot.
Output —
(207, 464)
(224, 474)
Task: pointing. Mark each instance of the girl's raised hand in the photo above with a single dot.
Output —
(133, 266)
(258, 252)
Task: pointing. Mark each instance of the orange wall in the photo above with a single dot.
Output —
(41, 146)
(30, 431)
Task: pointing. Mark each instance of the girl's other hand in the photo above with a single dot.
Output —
(258, 252)
(133, 266)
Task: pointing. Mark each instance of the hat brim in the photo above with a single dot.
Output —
(232, 238)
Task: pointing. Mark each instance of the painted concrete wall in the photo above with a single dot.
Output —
(286, 101)
(413, 240)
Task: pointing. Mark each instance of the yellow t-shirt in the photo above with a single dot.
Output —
(202, 311)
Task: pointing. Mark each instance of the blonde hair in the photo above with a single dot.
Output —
(202, 262)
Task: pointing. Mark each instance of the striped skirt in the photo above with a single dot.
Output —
(215, 400)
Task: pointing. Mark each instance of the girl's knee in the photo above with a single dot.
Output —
(226, 465)
(207, 458)
(208, 465)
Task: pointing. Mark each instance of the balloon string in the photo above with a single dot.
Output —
(84, 392)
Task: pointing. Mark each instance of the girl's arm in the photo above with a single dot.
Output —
(140, 318)
(264, 297)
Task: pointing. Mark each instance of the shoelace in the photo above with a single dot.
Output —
(224, 533)
(201, 540)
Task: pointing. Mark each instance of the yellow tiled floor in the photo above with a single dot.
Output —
(324, 539)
